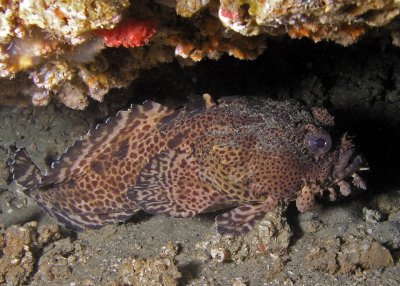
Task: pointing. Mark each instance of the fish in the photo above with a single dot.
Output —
(241, 154)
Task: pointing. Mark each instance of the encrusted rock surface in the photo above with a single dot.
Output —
(349, 255)
(340, 21)
(19, 248)
(270, 237)
(68, 50)
(152, 272)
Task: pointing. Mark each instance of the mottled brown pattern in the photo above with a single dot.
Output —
(245, 153)
(248, 153)
(87, 186)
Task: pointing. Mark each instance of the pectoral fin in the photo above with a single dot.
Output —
(169, 184)
(239, 220)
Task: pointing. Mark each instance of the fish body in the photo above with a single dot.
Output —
(246, 154)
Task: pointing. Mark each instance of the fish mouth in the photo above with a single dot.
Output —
(348, 165)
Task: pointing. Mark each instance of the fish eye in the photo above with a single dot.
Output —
(319, 142)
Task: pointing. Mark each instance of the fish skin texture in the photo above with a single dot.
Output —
(246, 153)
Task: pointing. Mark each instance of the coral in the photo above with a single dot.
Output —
(130, 33)
(212, 40)
(72, 82)
(36, 36)
(9, 27)
(52, 41)
(18, 248)
(70, 20)
(22, 54)
(341, 21)
(34, 31)
(190, 8)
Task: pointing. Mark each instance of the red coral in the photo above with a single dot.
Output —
(230, 15)
(129, 33)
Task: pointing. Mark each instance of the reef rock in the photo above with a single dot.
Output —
(63, 46)
(348, 255)
(19, 246)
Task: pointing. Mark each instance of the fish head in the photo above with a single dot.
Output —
(335, 161)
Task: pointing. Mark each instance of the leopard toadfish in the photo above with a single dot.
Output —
(243, 154)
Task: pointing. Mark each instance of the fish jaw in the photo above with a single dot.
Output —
(336, 173)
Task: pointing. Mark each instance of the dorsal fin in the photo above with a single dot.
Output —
(199, 103)
(78, 156)
(209, 101)
(24, 171)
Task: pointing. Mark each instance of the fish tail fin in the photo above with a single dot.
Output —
(24, 170)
